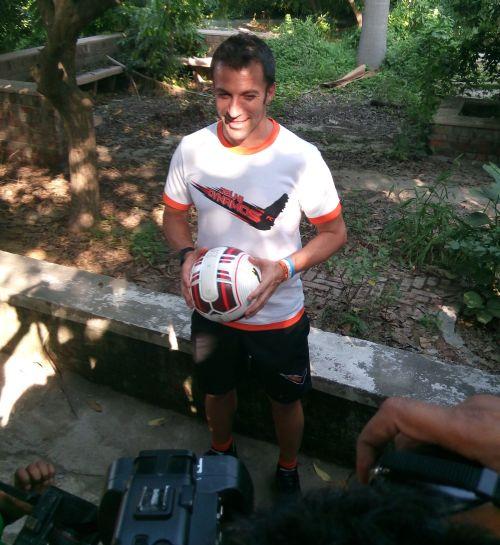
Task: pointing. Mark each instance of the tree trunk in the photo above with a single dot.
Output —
(357, 13)
(56, 79)
(82, 158)
(373, 40)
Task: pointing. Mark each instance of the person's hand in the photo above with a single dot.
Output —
(191, 257)
(271, 278)
(471, 429)
(36, 477)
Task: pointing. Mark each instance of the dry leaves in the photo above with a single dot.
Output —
(95, 405)
(156, 422)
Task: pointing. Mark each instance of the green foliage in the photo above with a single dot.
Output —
(426, 222)
(20, 25)
(159, 32)
(356, 324)
(484, 309)
(147, 244)
(278, 8)
(431, 322)
(432, 231)
(305, 56)
(433, 50)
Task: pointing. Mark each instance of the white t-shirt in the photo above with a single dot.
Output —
(252, 199)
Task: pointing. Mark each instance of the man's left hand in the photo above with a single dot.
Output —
(272, 276)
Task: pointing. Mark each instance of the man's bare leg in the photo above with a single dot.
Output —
(220, 411)
(289, 425)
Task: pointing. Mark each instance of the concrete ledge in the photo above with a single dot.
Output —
(344, 367)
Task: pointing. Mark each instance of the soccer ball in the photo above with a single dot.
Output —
(221, 281)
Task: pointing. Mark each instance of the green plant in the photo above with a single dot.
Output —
(147, 243)
(431, 322)
(20, 25)
(356, 325)
(358, 266)
(475, 253)
(430, 230)
(159, 32)
(305, 56)
(425, 223)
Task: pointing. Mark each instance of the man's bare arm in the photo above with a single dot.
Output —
(176, 228)
(471, 429)
(331, 237)
(177, 231)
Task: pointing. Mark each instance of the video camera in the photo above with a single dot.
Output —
(162, 497)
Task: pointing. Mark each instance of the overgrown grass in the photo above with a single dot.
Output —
(306, 56)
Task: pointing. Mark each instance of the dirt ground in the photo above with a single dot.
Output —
(136, 138)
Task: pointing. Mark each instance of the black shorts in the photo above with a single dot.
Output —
(279, 358)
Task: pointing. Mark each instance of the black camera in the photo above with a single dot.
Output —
(464, 483)
(162, 497)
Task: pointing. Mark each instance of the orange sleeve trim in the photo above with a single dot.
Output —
(174, 204)
(327, 217)
(267, 327)
(241, 150)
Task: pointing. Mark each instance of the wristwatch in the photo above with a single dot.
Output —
(182, 254)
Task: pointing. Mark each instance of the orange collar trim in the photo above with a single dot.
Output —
(241, 150)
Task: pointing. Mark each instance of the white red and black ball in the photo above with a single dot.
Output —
(221, 281)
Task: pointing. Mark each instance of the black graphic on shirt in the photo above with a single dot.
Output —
(260, 218)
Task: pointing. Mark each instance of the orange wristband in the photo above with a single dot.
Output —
(284, 270)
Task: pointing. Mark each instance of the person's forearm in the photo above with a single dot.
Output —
(177, 230)
(317, 250)
(327, 242)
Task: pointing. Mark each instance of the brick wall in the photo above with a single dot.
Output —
(475, 143)
(453, 133)
(30, 129)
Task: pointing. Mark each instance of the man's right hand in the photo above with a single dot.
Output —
(471, 429)
(189, 261)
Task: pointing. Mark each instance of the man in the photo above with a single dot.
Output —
(250, 179)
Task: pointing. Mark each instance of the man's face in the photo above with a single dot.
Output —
(241, 99)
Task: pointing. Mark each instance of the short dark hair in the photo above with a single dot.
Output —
(384, 514)
(240, 50)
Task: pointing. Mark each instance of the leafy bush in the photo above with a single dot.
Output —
(20, 25)
(305, 56)
(434, 49)
(278, 8)
(159, 32)
(431, 231)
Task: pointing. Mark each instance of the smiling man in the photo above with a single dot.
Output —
(250, 180)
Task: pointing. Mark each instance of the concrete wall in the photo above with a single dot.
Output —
(90, 53)
(213, 38)
(138, 341)
(30, 129)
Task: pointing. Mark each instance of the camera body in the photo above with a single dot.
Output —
(161, 497)
(169, 497)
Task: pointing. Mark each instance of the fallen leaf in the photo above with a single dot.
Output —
(97, 407)
(425, 343)
(321, 473)
(157, 421)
